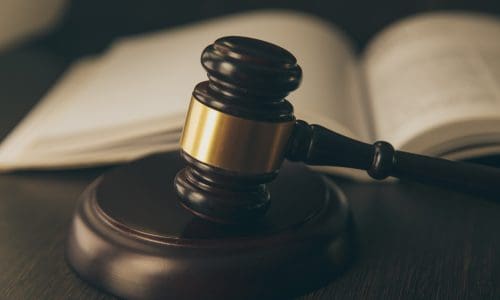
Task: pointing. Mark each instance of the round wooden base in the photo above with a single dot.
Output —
(131, 237)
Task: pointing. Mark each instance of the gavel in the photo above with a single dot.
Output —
(239, 129)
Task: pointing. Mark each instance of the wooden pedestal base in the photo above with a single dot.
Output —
(131, 237)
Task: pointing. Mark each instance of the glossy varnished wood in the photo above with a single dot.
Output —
(131, 236)
(247, 78)
(317, 145)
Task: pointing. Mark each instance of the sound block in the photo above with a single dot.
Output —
(131, 237)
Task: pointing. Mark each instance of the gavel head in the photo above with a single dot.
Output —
(237, 129)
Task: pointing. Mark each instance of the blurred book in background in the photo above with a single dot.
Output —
(24, 19)
(429, 84)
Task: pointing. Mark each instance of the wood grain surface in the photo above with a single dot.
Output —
(417, 242)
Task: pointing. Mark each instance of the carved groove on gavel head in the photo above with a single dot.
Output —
(237, 129)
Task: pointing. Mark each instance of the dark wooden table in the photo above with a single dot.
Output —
(416, 241)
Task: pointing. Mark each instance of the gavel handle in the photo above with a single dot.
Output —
(316, 145)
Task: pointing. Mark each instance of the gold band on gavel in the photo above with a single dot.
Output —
(232, 143)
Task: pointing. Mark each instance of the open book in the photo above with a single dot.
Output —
(428, 84)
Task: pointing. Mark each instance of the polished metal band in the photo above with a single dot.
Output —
(232, 143)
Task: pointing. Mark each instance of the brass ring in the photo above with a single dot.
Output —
(232, 143)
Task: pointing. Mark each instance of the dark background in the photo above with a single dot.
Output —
(90, 25)
(417, 241)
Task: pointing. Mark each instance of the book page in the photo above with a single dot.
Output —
(152, 76)
(434, 82)
(142, 86)
(35, 124)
